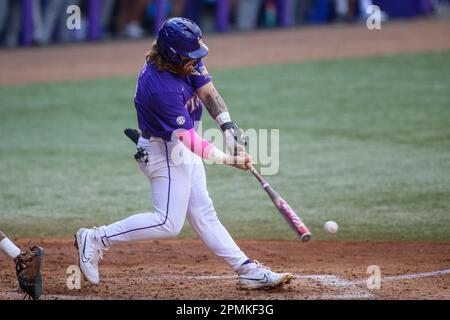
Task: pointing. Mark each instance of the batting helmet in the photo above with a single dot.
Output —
(180, 37)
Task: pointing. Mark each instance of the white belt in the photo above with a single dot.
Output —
(156, 139)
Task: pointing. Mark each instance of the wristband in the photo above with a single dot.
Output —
(228, 125)
(222, 118)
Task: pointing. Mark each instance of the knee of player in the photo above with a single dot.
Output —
(174, 231)
(173, 227)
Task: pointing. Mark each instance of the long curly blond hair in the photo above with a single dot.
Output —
(153, 56)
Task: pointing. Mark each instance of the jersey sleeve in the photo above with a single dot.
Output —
(172, 114)
(200, 76)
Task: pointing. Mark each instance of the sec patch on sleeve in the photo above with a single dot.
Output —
(181, 120)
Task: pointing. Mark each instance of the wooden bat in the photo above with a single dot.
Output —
(283, 207)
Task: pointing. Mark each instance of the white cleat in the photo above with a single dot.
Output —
(89, 254)
(257, 276)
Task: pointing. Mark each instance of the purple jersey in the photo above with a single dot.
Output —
(166, 101)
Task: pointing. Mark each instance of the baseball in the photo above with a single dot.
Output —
(330, 227)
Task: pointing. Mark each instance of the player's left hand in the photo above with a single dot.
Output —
(235, 139)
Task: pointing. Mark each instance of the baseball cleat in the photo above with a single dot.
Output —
(89, 253)
(257, 276)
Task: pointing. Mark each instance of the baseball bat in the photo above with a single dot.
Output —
(283, 207)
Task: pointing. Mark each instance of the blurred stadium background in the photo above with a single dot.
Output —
(42, 22)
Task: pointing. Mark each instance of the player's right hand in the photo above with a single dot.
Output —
(234, 138)
(240, 161)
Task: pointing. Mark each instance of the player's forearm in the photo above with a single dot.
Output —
(200, 146)
(8, 247)
(215, 104)
(218, 110)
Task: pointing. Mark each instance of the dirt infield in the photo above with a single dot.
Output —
(232, 50)
(185, 269)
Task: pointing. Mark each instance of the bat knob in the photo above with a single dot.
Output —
(306, 237)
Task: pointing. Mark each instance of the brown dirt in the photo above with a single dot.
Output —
(232, 50)
(173, 269)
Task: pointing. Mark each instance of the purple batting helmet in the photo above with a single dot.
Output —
(180, 37)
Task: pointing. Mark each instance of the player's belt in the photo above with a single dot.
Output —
(148, 136)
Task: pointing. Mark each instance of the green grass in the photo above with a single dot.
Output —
(364, 142)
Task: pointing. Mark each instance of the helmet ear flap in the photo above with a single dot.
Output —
(175, 58)
(172, 56)
(169, 54)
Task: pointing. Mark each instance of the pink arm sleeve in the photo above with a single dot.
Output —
(195, 143)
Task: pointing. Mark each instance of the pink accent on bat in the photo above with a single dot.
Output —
(303, 229)
(194, 142)
(292, 217)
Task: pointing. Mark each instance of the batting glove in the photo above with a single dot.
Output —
(234, 138)
(141, 155)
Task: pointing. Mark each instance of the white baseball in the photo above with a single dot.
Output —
(330, 227)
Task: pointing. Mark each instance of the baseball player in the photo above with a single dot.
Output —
(172, 88)
(28, 263)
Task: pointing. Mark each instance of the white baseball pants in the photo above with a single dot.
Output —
(178, 188)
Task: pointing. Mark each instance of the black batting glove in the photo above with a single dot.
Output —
(141, 155)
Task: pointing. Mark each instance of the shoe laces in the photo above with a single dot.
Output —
(98, 250)
(98, 255)
(260, 265)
